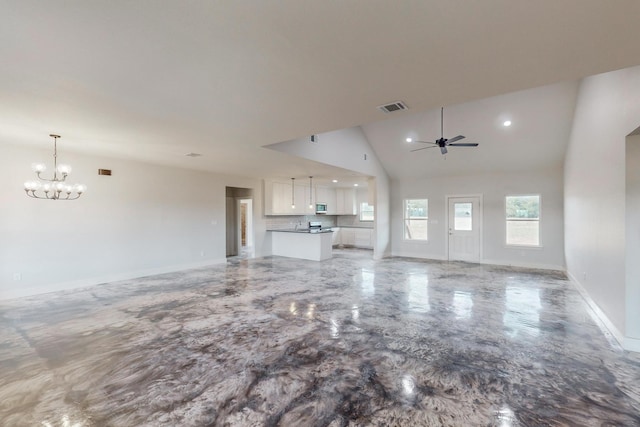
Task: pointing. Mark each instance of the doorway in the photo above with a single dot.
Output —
(239, 222)
(464, 216)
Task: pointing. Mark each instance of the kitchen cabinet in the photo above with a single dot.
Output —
(363, 238)
(354, 237)
(346, 201)
(347, 236)
(277, 199)
(336, 236)
(327, 195)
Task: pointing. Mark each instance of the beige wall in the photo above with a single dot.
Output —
(143, 219)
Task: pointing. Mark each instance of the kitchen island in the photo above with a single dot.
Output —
(304, 244)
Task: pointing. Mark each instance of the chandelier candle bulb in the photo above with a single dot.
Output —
(64, 169)
(38, 167)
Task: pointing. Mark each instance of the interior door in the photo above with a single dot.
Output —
(465, 222)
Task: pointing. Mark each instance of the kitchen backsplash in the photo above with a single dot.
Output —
(284, 222)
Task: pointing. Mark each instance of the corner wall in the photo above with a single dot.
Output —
(607, 110)
(145, 219)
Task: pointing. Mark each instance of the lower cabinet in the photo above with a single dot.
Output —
(363, 238)
(348, 236)
(355, 237)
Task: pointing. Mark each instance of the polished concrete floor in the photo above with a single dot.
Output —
(346, 342)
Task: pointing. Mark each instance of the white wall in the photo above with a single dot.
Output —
(494, 188)
(607, 110)
(144, 219)
(633, 237)
(346, 149)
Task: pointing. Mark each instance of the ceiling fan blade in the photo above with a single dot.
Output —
(454, 139)
(464, 144)
(423, 148)
(426, 142)
(443, 150)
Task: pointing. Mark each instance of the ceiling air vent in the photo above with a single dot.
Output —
(193, 154)
(393, 106)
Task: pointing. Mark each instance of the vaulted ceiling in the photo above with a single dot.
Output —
(153, 80)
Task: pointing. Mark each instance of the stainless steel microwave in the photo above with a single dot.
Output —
(321, 208)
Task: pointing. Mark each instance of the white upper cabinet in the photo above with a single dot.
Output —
(327, 195)
(346, 201)
(278, 199)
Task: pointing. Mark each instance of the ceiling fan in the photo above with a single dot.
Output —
(443, 142)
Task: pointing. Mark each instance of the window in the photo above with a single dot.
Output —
(523, 220)
(366, 212)
(416, 214)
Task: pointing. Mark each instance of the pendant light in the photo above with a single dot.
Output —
(293, 202)
(310, 192)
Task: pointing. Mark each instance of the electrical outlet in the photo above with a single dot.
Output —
(17, 276)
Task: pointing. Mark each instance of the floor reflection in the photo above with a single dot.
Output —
(418, 293)
(462, 305)
(346, 342)
(522, 312)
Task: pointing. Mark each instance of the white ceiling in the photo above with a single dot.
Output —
(153, 80)
(537, 138)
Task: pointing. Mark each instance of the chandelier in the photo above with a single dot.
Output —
(55, 188)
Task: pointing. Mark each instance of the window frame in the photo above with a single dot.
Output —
(360, 211)
(405, 218)
(539, 220)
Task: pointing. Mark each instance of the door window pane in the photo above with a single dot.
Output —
(523, 220)
(416, 219)
(463, 216)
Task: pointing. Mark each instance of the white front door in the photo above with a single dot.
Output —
(465, 222)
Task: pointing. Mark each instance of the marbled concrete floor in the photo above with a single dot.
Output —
(346, 342)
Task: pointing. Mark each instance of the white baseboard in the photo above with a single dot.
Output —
(631, 344)
(6, 294)
(534, 265)
(410, 254)
(602, 320)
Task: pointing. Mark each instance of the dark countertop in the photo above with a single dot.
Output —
(303, 230)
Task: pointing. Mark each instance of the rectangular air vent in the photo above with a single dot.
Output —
(393, 106)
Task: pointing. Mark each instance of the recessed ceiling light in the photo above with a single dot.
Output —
(355, 185)
(335, 180)
(409, 139)
(506, 123)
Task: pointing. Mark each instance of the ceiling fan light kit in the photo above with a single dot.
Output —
(443, 142)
